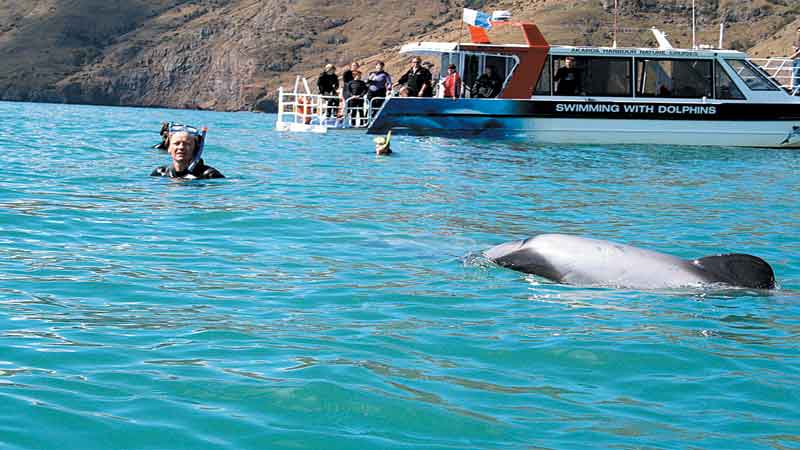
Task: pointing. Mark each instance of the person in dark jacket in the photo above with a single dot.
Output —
(379, 82)
(568, 79)
(487, 85)
(357, 90)
(418, 80)
(185, 144)
(328, 85)
(347, 77)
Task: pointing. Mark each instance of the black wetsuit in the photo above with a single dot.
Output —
(356, 90)
(201, 171)
(347, 76)
(328, 84)
(415, 81)
(568, 79)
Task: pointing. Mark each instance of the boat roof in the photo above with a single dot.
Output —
(434, 48)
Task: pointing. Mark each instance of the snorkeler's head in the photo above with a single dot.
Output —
(382, 144)
(182, 147)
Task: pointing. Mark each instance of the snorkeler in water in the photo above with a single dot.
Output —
(185, 146)
(382, 144)
(164, 137)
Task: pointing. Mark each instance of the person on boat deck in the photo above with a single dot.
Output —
(183, 143)
(487, 85)
(347, 77)
(418, 80)
(795, 84)
(568, 78)
(328, 85)
(357, 89)
(451, 83)
(378, 82)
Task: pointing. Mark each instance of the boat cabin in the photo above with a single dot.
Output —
(612, 73)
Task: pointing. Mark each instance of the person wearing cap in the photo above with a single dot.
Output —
(382, 144)
(328, 85)
(184, 145)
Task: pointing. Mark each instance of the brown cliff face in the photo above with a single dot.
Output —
(233, 54)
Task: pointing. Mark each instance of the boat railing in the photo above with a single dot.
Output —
(780, 70)
(302, 111)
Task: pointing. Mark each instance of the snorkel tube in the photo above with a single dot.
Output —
(199, 152)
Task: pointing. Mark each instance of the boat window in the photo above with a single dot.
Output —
(543, 86)
(500, 64)
(754, 79)
(471, 71)
(592, 76)
(678, 78)
(726, 89)
(446, 60)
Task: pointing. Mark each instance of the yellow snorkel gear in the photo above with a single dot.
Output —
(383, 141)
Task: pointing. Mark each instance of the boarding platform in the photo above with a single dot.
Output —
(301, 111)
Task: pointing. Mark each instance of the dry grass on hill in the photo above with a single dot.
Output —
(233, 54)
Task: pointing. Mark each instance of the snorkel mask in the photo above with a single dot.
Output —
(200, 135)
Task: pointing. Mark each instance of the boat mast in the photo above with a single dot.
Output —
(694, 42)
(616, 15)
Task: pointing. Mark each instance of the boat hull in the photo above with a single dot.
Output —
(597, 122)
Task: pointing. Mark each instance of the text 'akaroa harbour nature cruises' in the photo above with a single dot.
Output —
(568, 94)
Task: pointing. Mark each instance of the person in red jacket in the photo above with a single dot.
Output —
(452, 83)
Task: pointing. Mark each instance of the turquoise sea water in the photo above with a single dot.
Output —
(323, 298)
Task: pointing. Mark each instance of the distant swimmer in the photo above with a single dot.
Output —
(185, 145)
(382, 147)
(592, 262)
(163, 144)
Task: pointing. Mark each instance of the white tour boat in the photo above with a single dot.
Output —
(603, 95)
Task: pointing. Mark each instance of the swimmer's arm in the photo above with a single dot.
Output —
(159, 171)
(212, 173)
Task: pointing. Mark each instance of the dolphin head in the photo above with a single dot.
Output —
(520, 256)
(737, 269)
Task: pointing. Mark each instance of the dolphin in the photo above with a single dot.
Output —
(583, 261)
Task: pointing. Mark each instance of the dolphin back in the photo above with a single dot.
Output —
(738, 269)
(584, 261)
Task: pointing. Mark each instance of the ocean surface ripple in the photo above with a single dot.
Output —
(321, 297)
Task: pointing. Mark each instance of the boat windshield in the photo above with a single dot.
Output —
(753, 78)
(726, 88)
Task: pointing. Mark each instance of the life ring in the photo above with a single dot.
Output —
(304, 109)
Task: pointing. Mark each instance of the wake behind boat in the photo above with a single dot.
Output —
(583, 95)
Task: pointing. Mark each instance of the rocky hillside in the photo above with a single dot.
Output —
(233, 54)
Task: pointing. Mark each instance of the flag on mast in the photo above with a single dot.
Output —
(477, 18)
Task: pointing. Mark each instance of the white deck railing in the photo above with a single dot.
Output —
(303, 111)
(781, 70)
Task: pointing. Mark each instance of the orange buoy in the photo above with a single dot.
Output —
(304, 108)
